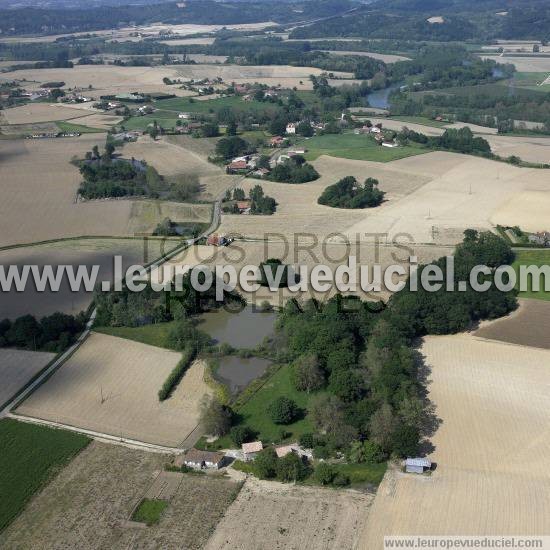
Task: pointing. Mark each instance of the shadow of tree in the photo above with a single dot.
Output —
(430, 422)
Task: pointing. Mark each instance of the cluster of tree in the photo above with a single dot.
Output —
(461, 20)
(260, 203)
(233, 146)
(460, 140)
(273, 273)
(363, 360)
(106, 176)
(126, 308)
(293, 170)
(53, 333)
(349, 193)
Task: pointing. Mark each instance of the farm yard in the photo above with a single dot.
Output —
(104, 483)
(31, 456)
(288, 516)
(52, 181)
(492, 401)
(86, 252)
(110, 385)
(529, 325)
(17, 367)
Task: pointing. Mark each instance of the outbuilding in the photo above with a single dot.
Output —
(199, 460)
(417, 465)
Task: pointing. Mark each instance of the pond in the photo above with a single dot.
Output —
(236, 373)
(245, 329)
(380, 98)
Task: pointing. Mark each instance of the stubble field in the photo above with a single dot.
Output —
(103, 484)
(491, 447)
(287, 516)
(110, 385)
(41, 170)
(41, 112)
(17, 367)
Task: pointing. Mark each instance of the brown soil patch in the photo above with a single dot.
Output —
(528, 326)
(269, 515)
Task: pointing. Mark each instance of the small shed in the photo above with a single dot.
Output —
(417, 465)
(284, 450)
(195, 458)
(250, 450)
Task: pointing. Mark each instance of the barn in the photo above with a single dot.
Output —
(417, 465)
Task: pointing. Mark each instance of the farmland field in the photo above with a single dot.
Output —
(41, 112)
(103, 485)
(17, 367)
(86, 252)
(114, 386)
(41, 169)
(491, 447)
(528, 326)
(287, 516)
(356, 147)
(30, 456)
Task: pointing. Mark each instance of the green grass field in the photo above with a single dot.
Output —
(153, 335)
(254, 414)
(356, 147)
(30, 456)
(70, 127)
(531, 81)
(149, 511)
(533, 257)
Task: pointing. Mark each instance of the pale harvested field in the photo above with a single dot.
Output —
(432, 197)
(298, 211)
(85, 252)
(104, 79)
(531, 64)
(299, 250)
(99, 120)
(129, 374)
(491, 448)
(205, 41)
(25, 129)
(464, 192)
(175, 155)
(529, 325)
(88, 503)
(269, 515)
(527, 209)
(530, 149)
(273, 75)
(385, 57)
(39, 187)
(17, 367)
(41, 112)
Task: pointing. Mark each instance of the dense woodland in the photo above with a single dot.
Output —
(52, 333)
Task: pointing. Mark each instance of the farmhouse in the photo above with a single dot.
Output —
(277, 141)
(284, 450)
(250, 450)
(237, 165)
(291, 128)
(244, 207)
(200, 460)
(417, 465)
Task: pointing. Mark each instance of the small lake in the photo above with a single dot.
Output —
(244, 329)
(236, 373)
(380, 98)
